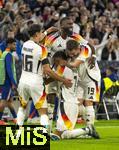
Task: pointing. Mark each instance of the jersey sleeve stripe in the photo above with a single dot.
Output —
(50, 40)
(85, 52)
(77, 37)
(44, 52)
(60, 70)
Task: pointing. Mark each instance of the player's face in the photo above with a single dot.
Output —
(74, 53)
(13, 46)
(59, 61)
(39, 36)
(62, 62)
(67, 26)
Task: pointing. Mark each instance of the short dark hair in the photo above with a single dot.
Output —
(34, 29)
(10, 40)
(60, 54)
(64, 19)
(71, 44)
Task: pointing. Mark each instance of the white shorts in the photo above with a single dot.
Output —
(67, 116)
(35, 92)
(91, 91)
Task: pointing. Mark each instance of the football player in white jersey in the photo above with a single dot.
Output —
(68, 107)
(35, 68)
(89, 76)
(57, 41)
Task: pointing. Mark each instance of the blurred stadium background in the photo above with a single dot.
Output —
(97, 21)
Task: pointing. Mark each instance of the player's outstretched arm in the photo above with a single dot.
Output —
(92, 59)
(92, 48)
(48, 31)
(47, 71)
(51, 29)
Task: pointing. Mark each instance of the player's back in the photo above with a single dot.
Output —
(31, 62)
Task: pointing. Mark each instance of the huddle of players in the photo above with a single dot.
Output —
(74, 78)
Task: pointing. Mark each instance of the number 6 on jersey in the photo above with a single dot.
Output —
(27, 62)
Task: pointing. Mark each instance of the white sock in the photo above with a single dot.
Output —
(74, 133)
(44, 121)
(90, 115)
(21, 116)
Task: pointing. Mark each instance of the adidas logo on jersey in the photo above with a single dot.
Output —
(59, 45)
(91, 97)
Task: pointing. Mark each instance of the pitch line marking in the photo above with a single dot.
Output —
(107, 127)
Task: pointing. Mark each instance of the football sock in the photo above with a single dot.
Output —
(90, 115)
(21, 116)
(44, 121)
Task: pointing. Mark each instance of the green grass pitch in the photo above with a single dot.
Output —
(108, 130)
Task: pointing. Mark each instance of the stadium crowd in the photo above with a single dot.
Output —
(95, 20)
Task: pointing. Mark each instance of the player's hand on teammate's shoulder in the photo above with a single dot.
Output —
(67, 83)
(91, 62)
(52, 29)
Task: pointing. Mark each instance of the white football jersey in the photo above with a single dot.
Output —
(55, 42)
(84, 70)
(69, 94)
(32, 56)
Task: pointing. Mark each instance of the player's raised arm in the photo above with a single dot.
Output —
(47, 32)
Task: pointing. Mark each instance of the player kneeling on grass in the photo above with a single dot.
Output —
(68, 107)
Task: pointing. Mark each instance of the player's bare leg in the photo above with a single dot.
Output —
(51, 99)
(81, 109)
(12, 109)
(2, 106)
